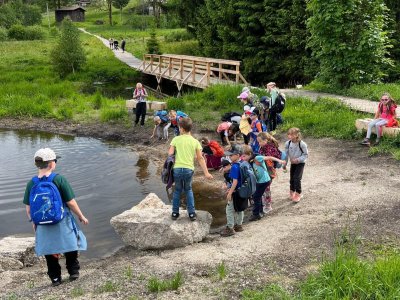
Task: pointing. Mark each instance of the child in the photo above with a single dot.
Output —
(268, 147)
(272, 118)
(174, 118)
(140, 94)
(297, 153)
(385, 115)
(234, 205)
(256, 128)
(212, 152)
(50, 240)
(185, 148)
(244, 125)
(227, 131)
(263, 181)
(161, 125)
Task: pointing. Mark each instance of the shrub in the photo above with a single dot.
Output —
(176, 103)
(8, 16)
(178, 36)
(31, 15)
(3, 34)
(64, 113)
(21, 33)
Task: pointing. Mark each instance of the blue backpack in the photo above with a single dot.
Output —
(163, 114)
(180, 114)
(248, 180)
(45, 201)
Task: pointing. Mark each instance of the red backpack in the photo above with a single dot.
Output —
(216, 148)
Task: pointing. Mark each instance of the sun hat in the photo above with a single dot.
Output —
(45, 154)
(243, 95)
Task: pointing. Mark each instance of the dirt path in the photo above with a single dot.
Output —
(342, 187)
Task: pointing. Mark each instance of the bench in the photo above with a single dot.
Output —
(388, 131)
(150, 105)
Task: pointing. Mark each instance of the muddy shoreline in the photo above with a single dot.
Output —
(344, 189)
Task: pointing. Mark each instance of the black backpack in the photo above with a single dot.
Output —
(280, 102)
(227, 116)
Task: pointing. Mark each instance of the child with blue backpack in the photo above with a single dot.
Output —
(49, 200)
(263, 181)
(257, 127)
(175, 117)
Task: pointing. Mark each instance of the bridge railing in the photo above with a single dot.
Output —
(191, 70)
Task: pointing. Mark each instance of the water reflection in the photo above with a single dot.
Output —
(142, 172)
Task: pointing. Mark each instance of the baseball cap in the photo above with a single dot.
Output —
(225, 162)
(243, 95)
(232, 152)
(45, 154)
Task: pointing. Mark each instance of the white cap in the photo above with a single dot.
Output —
(45, 154)
(245, 89)
(246, 108)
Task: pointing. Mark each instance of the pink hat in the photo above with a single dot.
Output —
(243, 95)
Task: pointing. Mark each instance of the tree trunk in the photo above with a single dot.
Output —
(109, 2)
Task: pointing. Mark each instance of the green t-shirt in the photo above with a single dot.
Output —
(185, 151)
(66, 192)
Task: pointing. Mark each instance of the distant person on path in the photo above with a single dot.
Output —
(111, 42)
(272, 118)
(185, 148)
(297, 153)
(385, 116)
(115, 45)
(65, 236)
(123, 45)
(140, 94)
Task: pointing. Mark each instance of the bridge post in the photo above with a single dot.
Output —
(181, 69)
(194, 71)
(237, 73)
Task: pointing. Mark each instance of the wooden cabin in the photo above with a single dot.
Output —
(75, 13)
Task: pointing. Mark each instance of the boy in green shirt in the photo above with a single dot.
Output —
(185, 148)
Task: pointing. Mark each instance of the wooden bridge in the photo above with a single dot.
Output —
(191, 70)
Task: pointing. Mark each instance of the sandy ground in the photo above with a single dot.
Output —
(344, 189)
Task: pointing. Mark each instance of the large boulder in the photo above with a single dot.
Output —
(17, 252)
(148, 225)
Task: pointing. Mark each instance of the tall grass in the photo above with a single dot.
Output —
(346, 276)
(159, 285)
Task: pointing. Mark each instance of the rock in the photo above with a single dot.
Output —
(149, 226)
(16, 252)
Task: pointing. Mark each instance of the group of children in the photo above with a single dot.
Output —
(114, 44)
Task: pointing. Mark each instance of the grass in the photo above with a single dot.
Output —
(108, 287)
(156, 285)
(345, 276)
(221, 271)
(30, 88)
(77, 292)
(363, 91)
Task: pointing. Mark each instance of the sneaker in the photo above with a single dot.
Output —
(267, 209)
(174, 216)
(297, 197)
(192, 217)
(56, 281)
(254, 218)
(227, 232)
(74, 276)
(365, 142)
(238, 228)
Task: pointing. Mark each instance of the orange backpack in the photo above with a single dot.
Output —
(216, 149)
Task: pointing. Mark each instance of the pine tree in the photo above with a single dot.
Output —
(68, 55)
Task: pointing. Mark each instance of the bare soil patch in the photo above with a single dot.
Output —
(343, 188)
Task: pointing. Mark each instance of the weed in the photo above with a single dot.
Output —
(142, 277)
(31, 284)
(11, 296)
(108, 287)
(221, 270)
(77, 292)
(156, 285)
(128, 272)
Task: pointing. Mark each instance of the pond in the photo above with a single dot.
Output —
(107, 178)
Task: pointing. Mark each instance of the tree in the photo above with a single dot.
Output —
(120, 4)
(68, 55)
(349, 40)
(109, 9)
(393, 22)
(152, 44)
